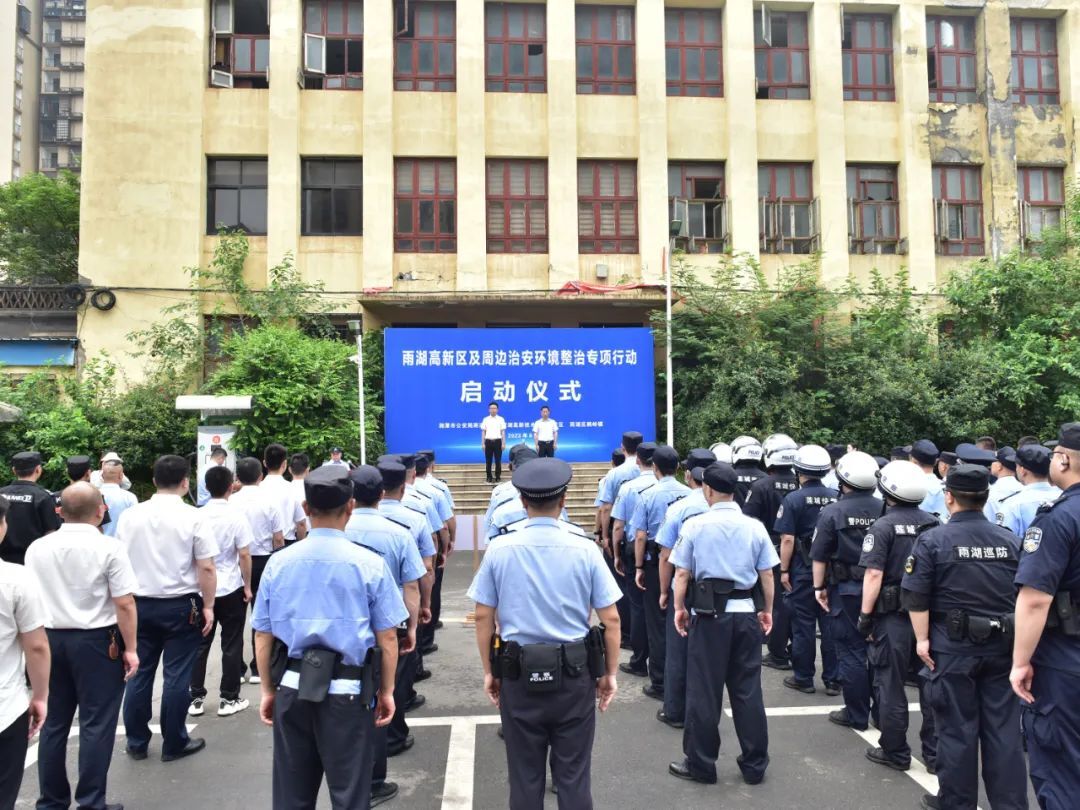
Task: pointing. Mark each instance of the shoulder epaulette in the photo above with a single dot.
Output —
(1011, 494)
(574, 529)
(507, 528)
(405, 526)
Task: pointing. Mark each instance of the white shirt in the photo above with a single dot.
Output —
(262, 515)
(232, 532)
(283, 494)
(493, 427)
(298, 487)
(20, 612)
(96, 480)
(164, 538)
(546, 430)
(119, 501)
(80, 571)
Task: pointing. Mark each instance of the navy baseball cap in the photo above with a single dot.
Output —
(699, 457)
(973, 478)
(720, 476)
(1034, 457)
(645, 451)
(1006, 456)
(665, 456)
(328, 488)
(925, 451)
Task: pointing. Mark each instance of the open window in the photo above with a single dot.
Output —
(240, 43)
(333, 45)
(789, 217)
(696, 200)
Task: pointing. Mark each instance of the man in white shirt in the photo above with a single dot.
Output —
(88, 586)
(173, 558)
(267, 529)
(95, 476)
(283, 493)
(492, 439)
(117, 499)
(299, 467)
(218, 455)
(546, 434)
(337, 459)
(24, 652)
(231, 530)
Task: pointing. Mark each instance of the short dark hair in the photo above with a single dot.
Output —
(78, 469)
(275, 455)
(299, 463)
(1026, 440)
(336, 512)
(989, 442)
(496, 404)
(617, 457)
(24, 467)
(218, 481)
(170, 471)
(666, 469)
(545, 407)
(540, 503)
(249, 471)
(218, 451)
(971, 500)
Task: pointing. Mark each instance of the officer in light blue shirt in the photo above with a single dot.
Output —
(438, 483)
(606, 494)
(623, 532)
(1004, 470)
(925, 454)
(511, 513)
(506, 492)
(1016, 512)
(728, 556)
(541, 584)
(326, 594)
(426, 487)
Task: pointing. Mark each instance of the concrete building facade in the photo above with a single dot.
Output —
(460, 163)
(63, 57)
(20, 82)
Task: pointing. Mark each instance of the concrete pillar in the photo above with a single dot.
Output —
(740, 168)
(999, 174)
(283, 135)
(378, 143)
(471, 164)
(562, 139)
(652, 139)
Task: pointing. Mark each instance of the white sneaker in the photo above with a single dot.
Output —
(230, 707)
(196, 707)
(254, 679)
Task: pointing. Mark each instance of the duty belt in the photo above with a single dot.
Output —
(342, 672)
(845, 572)
(653, 548)
(1064, 615)
(963, 626)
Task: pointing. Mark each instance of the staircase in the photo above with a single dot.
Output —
(472, 493)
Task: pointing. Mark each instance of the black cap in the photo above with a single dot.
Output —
(393, 474)
(900, 453)
(430, 454)
(328, 487)
(335, 450)
(1006, 456)
(1034, 457)
(645, 451)
(542, 478)
(367, 483)
(388, 458)
(698, 473)
(1051, 443)
(836, 451)
(26, 457)
(408, 459)
(1069, 436)
(77, 467)
(631, 439)
(699, 457)
(968, 478)
(422, 463)
(948, 457)
(972, 454)
(665, 456)
(523, 455)
(512, 453)
(721, 476)
(925, 451)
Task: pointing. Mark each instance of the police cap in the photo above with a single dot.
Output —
(631, 439)
(972, 478)
(367, 482)
(969, 453)
(328, 488)
(523, 455)
(1069, 436)
(77, 467)
(645, 451)
(881, 461)
(422, 463)
(335, 450)
(408, 459)
(388, 458)
(27, 457)
(924, 451)
(698, 473)
(543, 478)
(721, 477)
(665, 457)
(948, 457)
(900, 453)
(698, 457)
(1034, 457)
(517, 448)
(393, 474)
(1006, 456)
(428, 454)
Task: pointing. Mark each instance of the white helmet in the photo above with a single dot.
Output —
(722, 451)
(746, 448)
(813, 459)
(780, 450)
(858, 470)
(903, 481)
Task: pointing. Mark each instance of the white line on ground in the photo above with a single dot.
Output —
(923, 778)
(451, 720)
(460, 765)
(32, 751)
(809, 711)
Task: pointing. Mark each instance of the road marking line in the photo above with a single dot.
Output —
(809, 711)
(452, 720)
(32, 751)
(922, 777)
(460, 765)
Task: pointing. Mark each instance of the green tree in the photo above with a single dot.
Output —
(39, 230)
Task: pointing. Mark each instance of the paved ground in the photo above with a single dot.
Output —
(459, 762)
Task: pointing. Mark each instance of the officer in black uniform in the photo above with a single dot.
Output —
(1046, 656)
(746, 458)
(958, 591)
(891, 642)
(32, 508)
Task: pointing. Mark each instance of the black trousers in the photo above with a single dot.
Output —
(851, 657)
(561, 723)
(779, 640)
(1052, 728)
(230, 612)
(13, 745)
(623, 605)
(639, 636)
(395, 733)
(493, 453)
(888, 654)
(675, 647)
(545, 449)
(258, 565)
(725, 651)
(334, 738)
(654, 624)
(83, 678)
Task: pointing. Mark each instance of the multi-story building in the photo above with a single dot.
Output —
(466, 163)
(20, 80)
(63, 47)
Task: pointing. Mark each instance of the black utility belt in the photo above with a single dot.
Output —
(319, 666)
(963, 626)
(802, 546)
(708, 597)
(888, 600)
(1064, 615)
(845, 572)
(542, 665)
(653, 548)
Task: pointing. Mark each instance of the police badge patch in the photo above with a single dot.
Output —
(868, 544)
(909, 564)
(1032, 540)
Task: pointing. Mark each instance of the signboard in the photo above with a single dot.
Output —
(210, 437)
(439, 382)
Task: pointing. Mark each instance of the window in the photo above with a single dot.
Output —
(696, 200)
(334, 44)
(23, 20)
(1042, 200)
(605, 50)
(1034, 61)
(868, 58)
(425, 206)
(236, 195)
(516, 39)
(781, 54)
(239, 43)
(694, 66)
(332, 200)
(959, 209)
(950, 59)
(607, 206)
(788, 210)
(873, 209)
(424, 46)
(517, 206)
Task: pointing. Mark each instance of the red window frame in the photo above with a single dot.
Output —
(1043, 57)
(1046, 174)
(501, 41)
(768, 85)
(791, 196)
(623, 235)
(690, 46)
(531, 201)
(969, 199)
(442, 39)
(880, 210)
(410, 202)
(945, 62)
(1043, 210)
(868, 64)
(598, 36)
(353, 41)
(250, 68)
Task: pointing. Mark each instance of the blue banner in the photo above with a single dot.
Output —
(439, 382)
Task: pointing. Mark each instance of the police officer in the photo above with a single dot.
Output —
(746, 456)
(505, 492)
(727, 555)
(958, 590)
(545, 696)
(1004, 469)
(763, 502)
(623, 533)
(1046, 655)
(430, 478)
(1017, 511)
(648, 515)
(334, 606)
(924, 453)
(606, 494)
(673, 712)
(511, 511)
(795, 523)
(32, 508)
(968, 453)
(891, 641)
(835, 551)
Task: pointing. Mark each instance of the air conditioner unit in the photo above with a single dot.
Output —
(601, 272)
